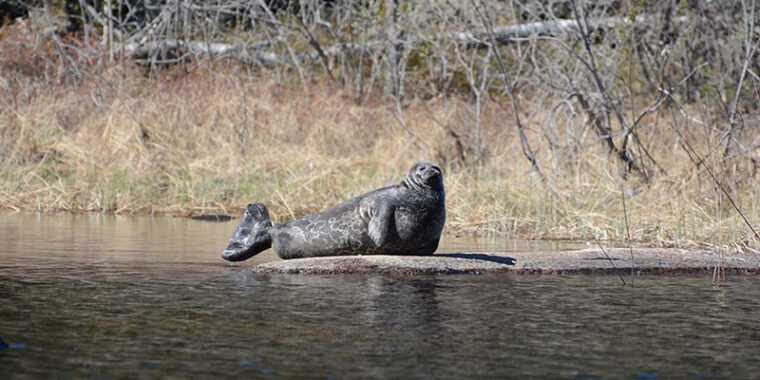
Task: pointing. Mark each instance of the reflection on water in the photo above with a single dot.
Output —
(118, 297)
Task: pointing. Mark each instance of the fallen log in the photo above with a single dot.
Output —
(254, 52)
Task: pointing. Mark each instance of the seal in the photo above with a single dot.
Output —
(403, 219)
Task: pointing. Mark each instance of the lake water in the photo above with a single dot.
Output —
(105, 297)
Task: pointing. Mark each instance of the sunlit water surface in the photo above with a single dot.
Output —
(93, 296)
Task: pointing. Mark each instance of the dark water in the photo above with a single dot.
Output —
(91, 296)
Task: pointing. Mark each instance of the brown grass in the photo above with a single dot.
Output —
(212, 141)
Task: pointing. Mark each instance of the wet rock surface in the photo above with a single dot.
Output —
(588, 261)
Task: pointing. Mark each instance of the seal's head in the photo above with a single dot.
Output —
(424, 174)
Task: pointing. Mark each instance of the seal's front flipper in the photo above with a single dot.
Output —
(379, 224)
(428, 249)
(251, 235)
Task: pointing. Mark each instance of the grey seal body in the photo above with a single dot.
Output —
(404, 219)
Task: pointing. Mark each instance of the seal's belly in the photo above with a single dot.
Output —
(417, 228)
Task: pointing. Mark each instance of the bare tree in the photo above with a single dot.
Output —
(573, 73)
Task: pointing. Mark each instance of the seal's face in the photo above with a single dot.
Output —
(425, 174)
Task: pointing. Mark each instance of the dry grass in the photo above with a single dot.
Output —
(214, 141)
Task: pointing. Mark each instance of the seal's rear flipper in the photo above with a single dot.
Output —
(251, 235)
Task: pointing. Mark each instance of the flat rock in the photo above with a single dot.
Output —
(587, 261)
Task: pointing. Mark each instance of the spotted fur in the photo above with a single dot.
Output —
(404, 219)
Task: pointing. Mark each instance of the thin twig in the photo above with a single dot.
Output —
(528, 152)
(627, 230)
(717, 182)
(608, 256)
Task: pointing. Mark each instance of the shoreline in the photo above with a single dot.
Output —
(646, 261)
(466, 230)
